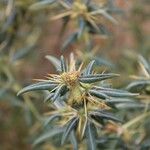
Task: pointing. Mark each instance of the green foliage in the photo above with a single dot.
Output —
(79, 99)
(88, 106)
(88, 15)
(142, 82)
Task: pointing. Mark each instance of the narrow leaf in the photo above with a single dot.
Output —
(98, 94)
(73, 140)
(49, 97)
(58, 92)
(41, 4)
(81, 27)
(96, 78)
(104, 115)
(50, 119)
(47, 135)
(63, 64)
(70, 126)
(22, 53)
(89, 68)
(91, 142)
(119, 100)
(145, 63)
(130, 105)
(115, 92)
(137, 86)
(36, 87)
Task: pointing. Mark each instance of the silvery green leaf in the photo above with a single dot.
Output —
(103, 61)
(115, 92)
(50, 119)
(98, 94)
(58, 92)
(63, 64)
(73, 140)
(130, 105)
(47, 135)
(145, 63)
(82, 24)
(36, 87)
(119, 94)
(69, 127)
(96, 77)
(42, 4)
(56, 62)
(89, 68)
(91, 141)
(104, 115)
(49, 97)
(119, 100)
(22, 53)
(137, 86)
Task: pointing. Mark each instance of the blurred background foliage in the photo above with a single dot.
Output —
(28, 33)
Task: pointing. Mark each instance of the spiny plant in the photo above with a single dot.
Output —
(141, 82)
(14, 16)
(18, 37)
(81, 101)
(140, 124)
(87, 16)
